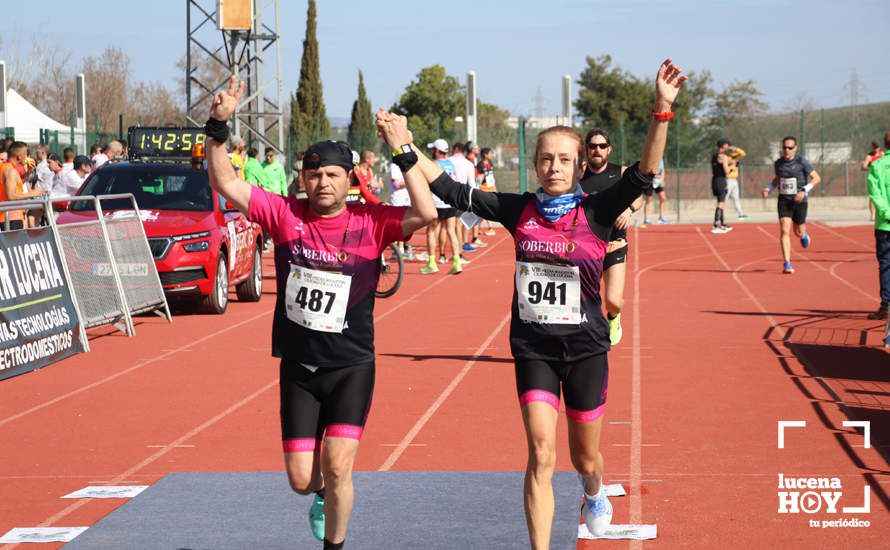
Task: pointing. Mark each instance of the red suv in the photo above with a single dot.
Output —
(200, 246)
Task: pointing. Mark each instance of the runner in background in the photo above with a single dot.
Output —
(443, 228)
(486, 182)
(719, 170)
(558, 335)
(874, 154)
(398, 196)
(473, 156)
(795, 178)
(600, 176)
(327, 266)
(735, 154)
(363, 178)
(657, 189)
(879, 194)
(465, 172)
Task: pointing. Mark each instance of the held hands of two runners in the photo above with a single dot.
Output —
(224, 103)
(667, 85)
(393, 129)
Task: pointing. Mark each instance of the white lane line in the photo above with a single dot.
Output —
(131, 369)
(421, 422)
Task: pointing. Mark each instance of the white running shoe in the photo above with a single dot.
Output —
(597, 513)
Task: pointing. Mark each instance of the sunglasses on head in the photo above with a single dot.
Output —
(601, 146)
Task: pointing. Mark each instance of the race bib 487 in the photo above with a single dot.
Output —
(317, 299)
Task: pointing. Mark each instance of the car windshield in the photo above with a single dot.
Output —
(155, 189)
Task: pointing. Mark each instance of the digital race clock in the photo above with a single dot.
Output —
(163, 142)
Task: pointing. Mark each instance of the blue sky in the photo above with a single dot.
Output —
(516, 47)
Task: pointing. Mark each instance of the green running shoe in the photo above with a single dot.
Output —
(614, 329)
(316, 517)
(430, 268)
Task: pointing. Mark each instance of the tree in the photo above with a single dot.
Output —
(608, 95)
(154, 105)
(491, 123)
(107, 80)
(42, 77)
(431, 103)
(733, 114)
(309, 122)
(362, 132)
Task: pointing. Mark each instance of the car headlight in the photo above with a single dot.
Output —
(190, 236)
(199, 246)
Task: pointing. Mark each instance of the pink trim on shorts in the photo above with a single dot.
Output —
(302, 445)
(539, 395)
(585, 416)
(344, 430)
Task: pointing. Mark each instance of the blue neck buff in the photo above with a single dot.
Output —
(554, 208)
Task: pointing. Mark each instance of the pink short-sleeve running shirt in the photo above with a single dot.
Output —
(348, 244)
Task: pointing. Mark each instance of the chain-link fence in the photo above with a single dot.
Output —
(834, 140)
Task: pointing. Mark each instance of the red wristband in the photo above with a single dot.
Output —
(663, 117)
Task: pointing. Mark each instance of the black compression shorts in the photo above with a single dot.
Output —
(445, 213)
(617, 256)
(790, 209)
(583, 382)
(332, 402)
(719, 188)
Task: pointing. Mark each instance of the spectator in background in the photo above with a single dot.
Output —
(872, 156)
(879, 193)
(237, 155)
(14, 186)
(4, 156)
(275, 172)
(98, 156)
(254, 174)
(68, 158)
(73, 179)
(125, 151)
(114, 150)
(43, 174)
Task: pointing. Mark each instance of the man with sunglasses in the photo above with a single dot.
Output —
(599, 176)
(794, 178)
(275, 172)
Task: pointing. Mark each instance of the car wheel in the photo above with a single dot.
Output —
(218, 299)
(251, 290)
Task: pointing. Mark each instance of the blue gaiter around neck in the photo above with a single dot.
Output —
(554, 208)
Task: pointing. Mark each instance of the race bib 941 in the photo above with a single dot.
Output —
(548, 294)
(317, 299)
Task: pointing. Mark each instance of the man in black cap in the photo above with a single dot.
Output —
(327, 260)
(719, 170)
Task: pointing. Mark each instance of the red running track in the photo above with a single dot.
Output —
(718, 346)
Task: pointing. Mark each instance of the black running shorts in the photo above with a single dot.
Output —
(719, 188)
(332, 402)
(584, 384)
(790, 209)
